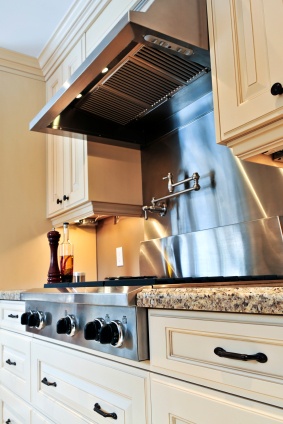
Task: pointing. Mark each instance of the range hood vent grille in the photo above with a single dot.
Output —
(141, 83)
(173, 65)
(109, 105)
(146, 78)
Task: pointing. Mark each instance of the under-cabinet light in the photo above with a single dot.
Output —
(105, 70)
(79, 96)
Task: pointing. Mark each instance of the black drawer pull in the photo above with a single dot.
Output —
(259, 357)
(97, 408)
(10, 363)
(13, 316)
(47, 383)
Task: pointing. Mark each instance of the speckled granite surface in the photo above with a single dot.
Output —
(256, 300)
(11, 294)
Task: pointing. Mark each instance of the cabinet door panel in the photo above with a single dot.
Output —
(74, 59)
(13, 409)
(248, 61)
(175, 402)
(55, 171)
(54, 154)
(75, 171)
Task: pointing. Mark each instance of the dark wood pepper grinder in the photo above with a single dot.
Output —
(54, 275)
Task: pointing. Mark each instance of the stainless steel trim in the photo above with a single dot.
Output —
(106, 296)
(73, 322)
(41, 320)
(120, 329)
(101, 321)
(248, 248)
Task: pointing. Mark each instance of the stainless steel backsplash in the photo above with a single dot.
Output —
(232, 192)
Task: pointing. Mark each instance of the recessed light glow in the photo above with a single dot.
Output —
(105, 70)
(79, 96)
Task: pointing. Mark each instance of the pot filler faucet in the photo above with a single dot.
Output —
(161, 208)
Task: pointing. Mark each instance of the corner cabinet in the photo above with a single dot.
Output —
(246, 61)
(88, 179)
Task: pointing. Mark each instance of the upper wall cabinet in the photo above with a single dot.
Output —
(246, 60)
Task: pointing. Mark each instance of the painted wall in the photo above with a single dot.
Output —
(127, 233)
(24, 249)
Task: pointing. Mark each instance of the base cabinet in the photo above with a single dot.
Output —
(174, 402)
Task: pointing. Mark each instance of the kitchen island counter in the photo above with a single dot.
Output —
(11, 294)
(255, 300)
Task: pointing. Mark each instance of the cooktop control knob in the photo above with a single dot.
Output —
(112, 334)
(33, 319)
(92, 329)
(67, 325)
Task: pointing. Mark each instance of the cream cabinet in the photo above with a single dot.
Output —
(113, 10)
(72, 387)
(66, 163)
(175, 402)
(246, 61)
(89, 179)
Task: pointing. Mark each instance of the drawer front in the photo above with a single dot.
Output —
(174, 402)
(66, 383)
(184, 344)
(15, 363)
(10, 315)
(13, 408)
(38, 418)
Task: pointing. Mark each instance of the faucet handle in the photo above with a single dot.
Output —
(169, 176)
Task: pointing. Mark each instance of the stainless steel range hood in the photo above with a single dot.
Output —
(150, 59)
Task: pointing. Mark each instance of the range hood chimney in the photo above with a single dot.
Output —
(138, 76)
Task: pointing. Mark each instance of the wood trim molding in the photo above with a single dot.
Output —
(259, 141)
(20, 64)
(79, 18)
(94, 209)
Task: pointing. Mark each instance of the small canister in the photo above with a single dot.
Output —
(79, 277)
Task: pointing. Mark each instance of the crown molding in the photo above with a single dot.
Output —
(20, 64)
(79, 18)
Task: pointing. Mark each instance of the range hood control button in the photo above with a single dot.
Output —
(92, 329)
(67, 325)
(112, 334)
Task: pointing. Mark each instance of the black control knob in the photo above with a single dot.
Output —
(276, 89)
(112, 334)
(33, 320)
(67, 325)
(24, 318)
(92, 329)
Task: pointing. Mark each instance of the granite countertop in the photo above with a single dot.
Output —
(255, 300)
(11, 294)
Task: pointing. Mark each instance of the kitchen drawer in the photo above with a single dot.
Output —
(184, 342)
(175, 402)
(80, 381)
(38, 418)
(13, 408)
(15, 349)
(10, 315)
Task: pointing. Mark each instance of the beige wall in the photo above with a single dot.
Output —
(128, 233)
(24, 249)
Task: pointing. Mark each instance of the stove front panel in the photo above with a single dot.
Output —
(133, 319)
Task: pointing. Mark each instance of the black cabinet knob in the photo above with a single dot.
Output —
(276, 89)
(24, 318)
(65, 197)
(92, 329)
(59, 201)
(109, 334)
